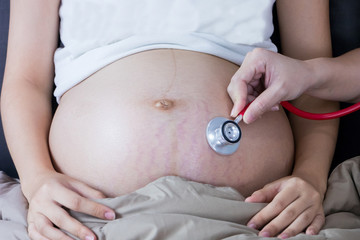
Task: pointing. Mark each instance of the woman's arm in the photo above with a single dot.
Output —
(296, 200)
(305, 34)
(336, 78)
(287, 78)
(27, 85)
(26, 114)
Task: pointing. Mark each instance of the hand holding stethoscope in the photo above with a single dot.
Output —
(283, 78)
(267, 79)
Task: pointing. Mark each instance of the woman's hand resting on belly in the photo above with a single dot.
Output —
(54, 192)
(294, 205)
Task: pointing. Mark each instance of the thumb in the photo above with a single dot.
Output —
(264, 195)
(265, 102)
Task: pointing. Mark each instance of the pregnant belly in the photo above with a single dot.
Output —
(145, 116)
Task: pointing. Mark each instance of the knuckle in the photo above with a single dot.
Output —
(230, 88)
(266, 186)
(257, 192)
(280, 204)
(249, 54)
(258, 51)
(39, 225)
(307, 218)
(46, 187)
(281, 89)
(290, 213)
(81, 232)
(298, 182)
(58, 220)
(315, 197)
(319, 219)
(75, 203)
(259, 106)
(260, 219)
(98, 211)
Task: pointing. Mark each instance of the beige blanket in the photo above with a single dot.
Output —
(174, 208)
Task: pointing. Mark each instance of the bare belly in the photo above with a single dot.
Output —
(145, 116)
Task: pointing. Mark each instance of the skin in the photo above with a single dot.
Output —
(318, 77)
(47, 190)
(305, 34)
(177, 95)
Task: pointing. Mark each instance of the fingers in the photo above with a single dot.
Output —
(34, 234)
(87, 191)
(266, 194)
(282, 77)
(250, 71)
(267, 101)
(247, 84)
(46, 209)
(300, 223)
(75, 202)
(316, 224)
(41, 225)
(273, 209)
(294, 206)
(238, 93)
(292, 220)
(64, 221)
(42, 229)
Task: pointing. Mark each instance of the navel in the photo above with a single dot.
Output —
(164, 104)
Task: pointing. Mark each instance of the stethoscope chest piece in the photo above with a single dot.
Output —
(223, 135)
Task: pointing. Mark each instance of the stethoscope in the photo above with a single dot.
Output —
(223, 135)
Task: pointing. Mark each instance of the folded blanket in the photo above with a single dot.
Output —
(175, 208)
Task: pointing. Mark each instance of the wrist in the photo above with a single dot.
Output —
(320, 72)
(319, 183)
(30, 181)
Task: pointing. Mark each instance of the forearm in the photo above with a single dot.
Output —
(336, 78)
(27, 86)
(26, 115)
(315, 142)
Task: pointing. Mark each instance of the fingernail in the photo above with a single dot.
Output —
(283, 236)
(233, 114)
(264, 234)
(89, 238)
(252, 225)
(109, 215)
(249, 118)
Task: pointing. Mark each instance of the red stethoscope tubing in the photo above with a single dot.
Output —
(315, 116)
(320, 116)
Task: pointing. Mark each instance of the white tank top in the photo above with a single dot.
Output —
(95, 33)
